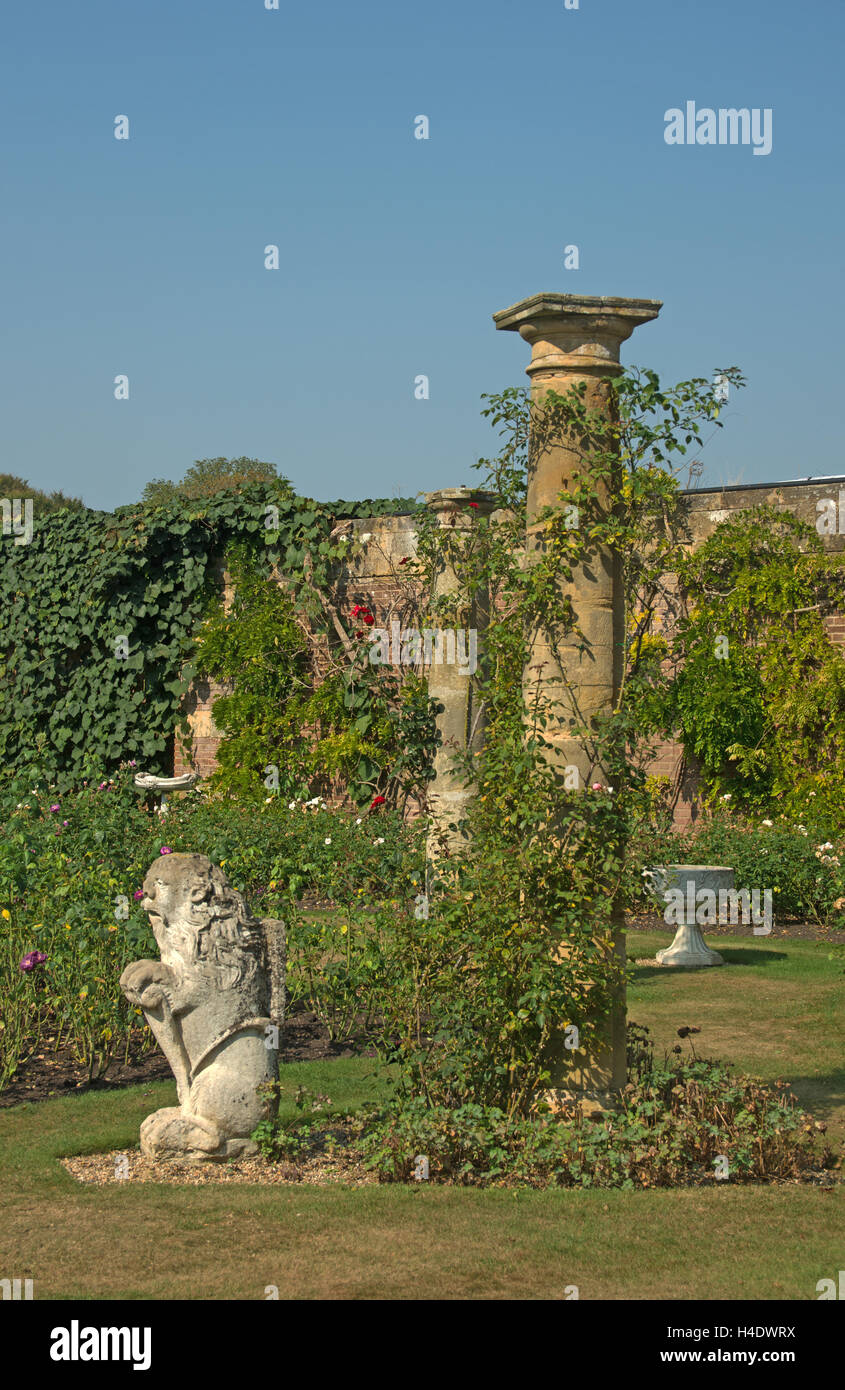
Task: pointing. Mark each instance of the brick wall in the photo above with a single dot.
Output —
(373, 577)
(205, 736)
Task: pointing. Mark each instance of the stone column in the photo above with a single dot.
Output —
(461, 723)
(576, 339)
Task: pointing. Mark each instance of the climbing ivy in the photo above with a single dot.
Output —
(100, 612)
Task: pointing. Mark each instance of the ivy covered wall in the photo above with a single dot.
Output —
(100, 611)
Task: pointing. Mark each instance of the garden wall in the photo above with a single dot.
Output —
(375, 577)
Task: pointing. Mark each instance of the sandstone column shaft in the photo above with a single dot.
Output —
(461, 723)
(575, 339)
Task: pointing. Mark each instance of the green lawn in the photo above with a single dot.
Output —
(776, 1010)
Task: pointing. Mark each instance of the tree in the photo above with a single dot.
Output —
(43, 502)
(206, 477)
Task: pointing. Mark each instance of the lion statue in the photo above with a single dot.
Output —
(208, 1003)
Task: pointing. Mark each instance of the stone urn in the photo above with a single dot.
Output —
(682, 887)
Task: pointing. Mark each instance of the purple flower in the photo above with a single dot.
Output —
(164, 850)
(30, 961)
(57, 807)
(65, 822)
(139, 893)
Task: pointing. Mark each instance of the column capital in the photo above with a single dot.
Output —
(461, 499)
(574, 334)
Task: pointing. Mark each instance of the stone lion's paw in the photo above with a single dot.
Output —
(142, 975)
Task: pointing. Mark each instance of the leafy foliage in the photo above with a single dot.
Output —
(101, 612)
(519, 943)
(43, 502)
(796, 862)
(370, 730)
(684, 1122)
(758, 688)
(71, 868)
(208, 477)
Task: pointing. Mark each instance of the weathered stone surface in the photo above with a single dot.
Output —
(689, 949)
(575, 339)
(208, 1003)
(461, 722)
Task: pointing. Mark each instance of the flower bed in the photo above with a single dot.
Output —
(71, 917)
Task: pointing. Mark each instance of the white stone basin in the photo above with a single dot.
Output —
(148, 782)
(689, 949)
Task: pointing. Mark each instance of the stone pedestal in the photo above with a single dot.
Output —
(576, 339)
(689, 949)
(461, 722)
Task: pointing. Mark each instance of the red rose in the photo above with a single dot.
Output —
(360, 632)
(368, 619)
(473, 504)
(377, 801)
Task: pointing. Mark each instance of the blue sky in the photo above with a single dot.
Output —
(295, 127)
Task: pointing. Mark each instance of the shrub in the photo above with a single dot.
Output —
(803, 869)
(674, 1123)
